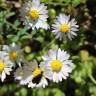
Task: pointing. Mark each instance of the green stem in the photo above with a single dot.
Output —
(12, 25)
(92, 79)
(49, 44)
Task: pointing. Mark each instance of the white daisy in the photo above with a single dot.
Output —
(15, 53)
(59, 63)
(36, 75)
(64, 26)
(34, 14)
(5, 65)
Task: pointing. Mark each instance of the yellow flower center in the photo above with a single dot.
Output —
(13, 55)
(2, 65)
(64, 28)
(37, 72)
(33, 14)
(56, 65)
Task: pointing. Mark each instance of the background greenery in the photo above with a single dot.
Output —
(37, 43)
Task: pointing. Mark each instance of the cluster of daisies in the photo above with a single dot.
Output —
(55, 66)
(34, 15)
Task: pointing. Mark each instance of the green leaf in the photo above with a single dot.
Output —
(8, 14)
(15, 39)
(22, 32)
(76, 2)
(26, 37)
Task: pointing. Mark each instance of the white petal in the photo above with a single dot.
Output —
(31, 85)
(7, 70)
(52, 54)
(55, 77)
(6, 48)
(62, 55)
(3, 76)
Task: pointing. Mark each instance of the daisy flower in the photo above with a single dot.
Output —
(34, 14)
(5, 65)
(34, 75)
(64, 26)
(59, 63)
(40, 76)
(15, 53)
